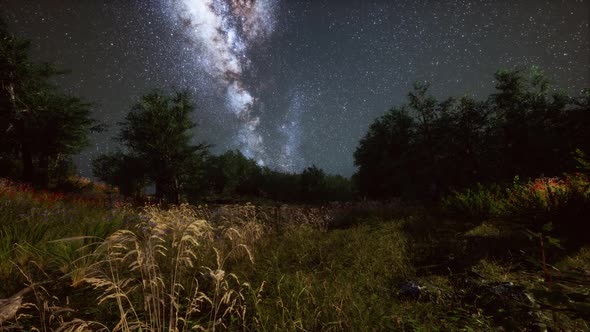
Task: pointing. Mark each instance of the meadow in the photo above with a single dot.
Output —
(491, 258)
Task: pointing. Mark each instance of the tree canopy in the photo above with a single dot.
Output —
(426, 146)
(233, 177)
(156, 134)
(40, 126)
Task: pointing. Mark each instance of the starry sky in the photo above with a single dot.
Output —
(293, 83)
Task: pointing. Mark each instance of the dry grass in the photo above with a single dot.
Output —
(280, 218)
(287, 268)
(169, 273)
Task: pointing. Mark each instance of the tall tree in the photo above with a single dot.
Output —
(231, 174)
(40, 126)
(313, 184)
(383, 152)
(525, 128)
(433, 121)
(127, 172)
(157, 132)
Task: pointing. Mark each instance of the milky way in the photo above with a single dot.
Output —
(293, 83)
(225, 30)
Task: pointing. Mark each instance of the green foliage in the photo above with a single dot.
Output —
(156, 134)
(531, 204)
(582, 160)
(384, 151)
(30, 222)
(313, 184)
(428, 147)
(341, 280)
(338, 188)
(40, 127)
(233, 177)
(124, 171)
(480, 202)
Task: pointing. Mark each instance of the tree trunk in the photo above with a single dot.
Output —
(28, 171)
(28, 174)
(176, 191)
(159, 191)
(42, 178)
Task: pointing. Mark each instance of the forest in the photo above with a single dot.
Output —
(463, 214)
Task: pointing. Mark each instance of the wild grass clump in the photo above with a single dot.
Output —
(34, 224)
(171, 273)
(331, 281)
(480, 202)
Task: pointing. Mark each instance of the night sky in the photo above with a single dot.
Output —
(294, 83)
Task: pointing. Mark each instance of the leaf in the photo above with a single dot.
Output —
(548, 227)
(554, 298)
(554, 242)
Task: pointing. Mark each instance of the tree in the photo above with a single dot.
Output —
(313, 184)
(533, 124)
(425, 147)
(578, 122)
(40, 127)
(157, 132)
(127, 172)
(434, 120)
(338, 188)
(231, 174)
(383, 155)
(469, 158)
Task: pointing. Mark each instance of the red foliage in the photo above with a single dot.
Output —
(13, 191)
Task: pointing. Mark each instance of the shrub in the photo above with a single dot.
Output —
(32, 221)
(550, 197)
(560, 201)
(480, 202)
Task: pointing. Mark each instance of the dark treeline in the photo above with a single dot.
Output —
(233, 175)
(425, 147)
(156, 137)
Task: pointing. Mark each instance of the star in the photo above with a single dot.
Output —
(296, 83)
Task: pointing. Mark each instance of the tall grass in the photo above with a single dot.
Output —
(31, 222)
(170, 273)
(382, 267)
(338, 280)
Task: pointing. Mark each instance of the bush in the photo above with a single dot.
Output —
(550, 197)
(532, 204)
(31, 222)
(480, 202)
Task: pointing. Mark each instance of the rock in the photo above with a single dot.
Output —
(509, 291)
(9, 306)
(410, 289)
